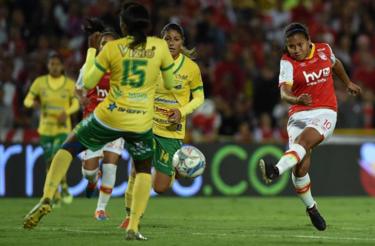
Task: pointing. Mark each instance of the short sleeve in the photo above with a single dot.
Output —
(166, 57)
(35, 88)
(286, 73)
(101, 60)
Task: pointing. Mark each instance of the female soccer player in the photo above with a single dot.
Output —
(54, 94)
(171, 109)
(135, 62)
(306, 83)
(111, 152)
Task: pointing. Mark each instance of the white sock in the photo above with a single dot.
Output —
(90, 175)
(290, 158)
(303, 189)
(108, 181)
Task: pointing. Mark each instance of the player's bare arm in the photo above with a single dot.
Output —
(339, 70)
(287, 95)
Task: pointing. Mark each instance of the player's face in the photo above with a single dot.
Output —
(55, 67)
(104, 40)
(298, 46)
(174, 41)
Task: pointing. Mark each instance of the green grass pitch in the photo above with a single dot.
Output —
(197, 221)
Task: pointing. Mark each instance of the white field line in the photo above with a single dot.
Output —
(120, 231)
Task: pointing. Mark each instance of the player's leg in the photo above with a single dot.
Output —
(141, 149)
(163, 157)
(112, 153)
(47, 145)
(66, 197)
(59, 166)
(90, 170)
(302, 184)
(89, 133)
(128, 197)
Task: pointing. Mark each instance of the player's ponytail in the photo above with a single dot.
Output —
(191, 53)
(137, 21)
(294, 28)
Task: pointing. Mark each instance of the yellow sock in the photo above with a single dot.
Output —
(141, 194)
(129, 193)
(59, 166)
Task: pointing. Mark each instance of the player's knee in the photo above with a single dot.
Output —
(160, 188)
(143, 166)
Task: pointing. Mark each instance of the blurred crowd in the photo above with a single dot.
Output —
(239, 44)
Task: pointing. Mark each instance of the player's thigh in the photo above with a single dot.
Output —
(90, 159)
(163, 156)
(94, 135)
(113, 150)
(139, 145)
(47, 145)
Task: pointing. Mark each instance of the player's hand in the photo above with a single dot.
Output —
(84, 101)
(304, 99)
(353, 89)
(36, 103)
(174, 116)
(61, 119)
(94, 40)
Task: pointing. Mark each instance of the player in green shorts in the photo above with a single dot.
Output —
(135, 62)
(171, 109)
(54, 95)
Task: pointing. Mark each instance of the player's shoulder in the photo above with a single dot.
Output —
(41, 78)
(191, 64)
(155, 40)
(322, 47)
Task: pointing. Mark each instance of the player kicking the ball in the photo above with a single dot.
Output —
(306, 83)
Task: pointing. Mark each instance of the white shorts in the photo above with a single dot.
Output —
(323, 120)
(116, 146)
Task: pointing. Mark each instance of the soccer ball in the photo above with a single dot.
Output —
(189, 161)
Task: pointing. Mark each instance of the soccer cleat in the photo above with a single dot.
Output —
(66, 197)
(36, 214)
(101, 215)
(124, 224)
(90, 189)
(132, 235)
(316, 219)
(269, 171)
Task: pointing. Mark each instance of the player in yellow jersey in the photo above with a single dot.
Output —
(135, 62)
(171, 109)
(54, 94)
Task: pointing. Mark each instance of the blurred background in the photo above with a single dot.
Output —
(239, 45)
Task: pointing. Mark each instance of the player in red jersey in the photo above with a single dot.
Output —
(111, 152)
(306, 83)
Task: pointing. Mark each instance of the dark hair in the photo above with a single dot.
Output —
(191, 53)
(92, 25)
(54, 54)
(137, 20)
(294, 28)
(110, 31)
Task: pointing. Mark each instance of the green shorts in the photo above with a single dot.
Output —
(51, 144)
(94, 136)
(164, 151)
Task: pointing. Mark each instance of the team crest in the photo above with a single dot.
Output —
(322, 56)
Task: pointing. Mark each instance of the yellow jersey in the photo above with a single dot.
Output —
(53, 102)
(129, 105)
(188, 81)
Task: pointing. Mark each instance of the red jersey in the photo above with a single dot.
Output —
(312, 76)
(97, 94)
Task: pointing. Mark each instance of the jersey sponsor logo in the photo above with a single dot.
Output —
(131, 111)
(319, 77)
(135, 96)
(322, 56)
(166, 101)
(162, 110)
(112, 106)
(101, 93)
(135, 53)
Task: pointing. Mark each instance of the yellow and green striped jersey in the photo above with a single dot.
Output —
(129, 105)
(54, 100)
(188, 81)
